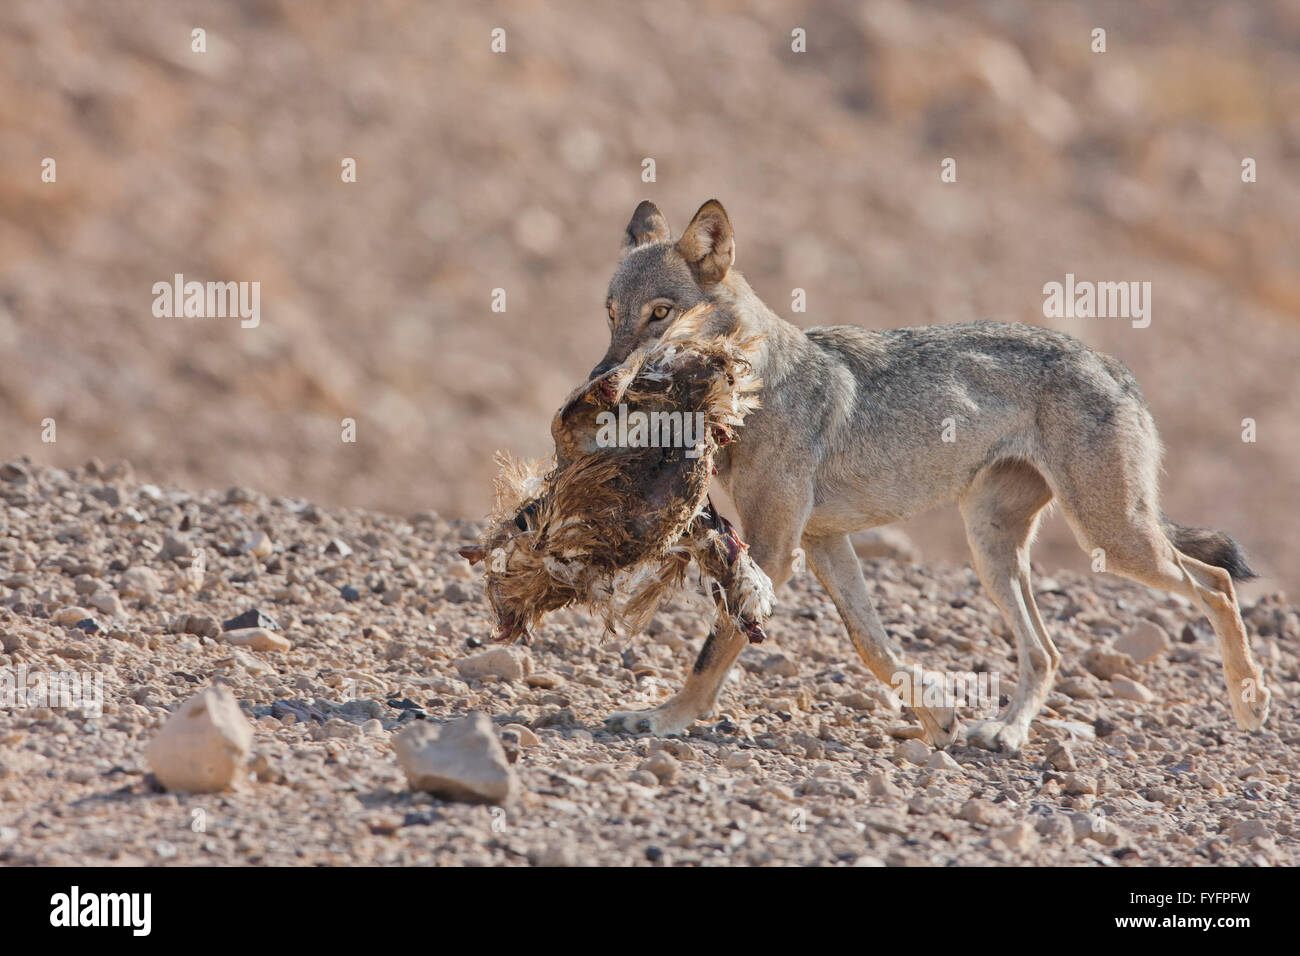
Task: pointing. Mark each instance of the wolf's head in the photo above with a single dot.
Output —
(658, 279)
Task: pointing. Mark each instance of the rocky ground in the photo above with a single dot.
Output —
(372, 623)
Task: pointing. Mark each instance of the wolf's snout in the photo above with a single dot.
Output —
(604, 366)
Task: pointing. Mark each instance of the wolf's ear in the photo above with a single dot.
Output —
(708, 244)
(648, 225)
(473, 554)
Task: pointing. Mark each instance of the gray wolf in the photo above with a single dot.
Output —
(851, 435)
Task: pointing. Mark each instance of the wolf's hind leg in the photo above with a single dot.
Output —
(1147, 556)
(1001, 509)
(837, 567)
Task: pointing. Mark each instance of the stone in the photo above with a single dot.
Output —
(175, 546)
(1061, 757)
(526, 737)
(107, 602)
(1078, 784)
(69, 616)
(1106, 663)
(457, 593)
(259, 545)
(983, 812)
(1248, 830)
(779, 665)
(250, 618)
(505, 663)
(1126, 688)
(338, 546)
(202, 625)
(914, 751)
(203, 747)
(138, 582)
(879, 785)
(459, 760)
(940, 760)
(257, 638)
(662, 765)
(544, 680)
(1144, 643)
(1018, 836)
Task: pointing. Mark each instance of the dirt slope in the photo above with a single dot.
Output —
(518, 171)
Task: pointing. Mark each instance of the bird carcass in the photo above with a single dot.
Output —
(620, 514)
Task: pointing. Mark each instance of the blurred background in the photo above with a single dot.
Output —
(478, 171)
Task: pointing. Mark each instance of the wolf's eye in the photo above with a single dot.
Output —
(661, 313)
(610, 313)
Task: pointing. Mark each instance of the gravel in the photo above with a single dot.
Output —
(806, 761)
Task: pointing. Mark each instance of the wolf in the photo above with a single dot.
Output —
(859, 428)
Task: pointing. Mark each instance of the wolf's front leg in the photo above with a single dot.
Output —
(837, 567)
(693, 701)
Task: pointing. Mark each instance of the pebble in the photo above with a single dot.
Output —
(203, 746)
(1145, 642)
(544, 679)
(506, 663)
(175, 546)
(1106, 663)
(1079, 783)
(250, 618)
(940, 760)
(257, 638)
(138, 582)
(1247, 830)
(914, 751)
(259, 545)
(1061, 757)
(526, 736)
(108, 602)
(459, 760)
(662, 765)
(70, 616)
(1126, 688)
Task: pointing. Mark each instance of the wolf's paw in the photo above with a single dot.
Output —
(997, 735)
(1251, 714)
(940, 723)
(662, 721)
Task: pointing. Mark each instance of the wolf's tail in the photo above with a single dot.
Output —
(1212, 547)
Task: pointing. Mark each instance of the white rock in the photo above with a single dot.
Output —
(139, 581)
(459, 760)
(1145, 642)
(507, 663)
(70, 615)
(914, 751)
(939, 760)
(108, 602)
(204, 745)
(259, 545)
(526, 736)
(1126, 688)
(257, 638)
